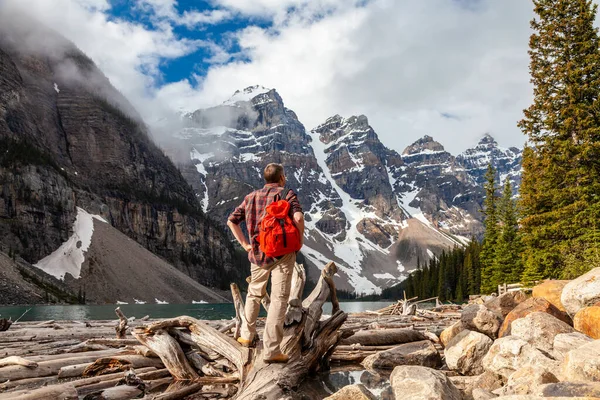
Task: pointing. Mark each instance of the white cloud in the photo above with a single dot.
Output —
(167, 9)
(403, 63)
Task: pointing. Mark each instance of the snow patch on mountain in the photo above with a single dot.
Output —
(69, 257)
(246, 95)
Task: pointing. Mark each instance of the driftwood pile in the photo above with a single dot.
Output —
(184, 357)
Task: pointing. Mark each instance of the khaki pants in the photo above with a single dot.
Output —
(281, 282)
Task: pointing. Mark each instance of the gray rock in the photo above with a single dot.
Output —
(352, 392)
(421, 353)
(583, 363)
(421, 383)
(489, 381)
(482, 394)
(506, 303)
(450, 332)
(539, 329)
(508, 354)
(570, 389)
(565, 342)
(527, 379)
(477, 317)
(581, 292)
(465, 352)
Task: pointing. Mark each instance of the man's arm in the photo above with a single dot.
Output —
(299, 222)
(233, 222)
(298, 213)
(239, 235)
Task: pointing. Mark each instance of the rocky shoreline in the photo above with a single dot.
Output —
(516, 346)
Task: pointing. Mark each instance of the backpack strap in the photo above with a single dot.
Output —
(278, 195)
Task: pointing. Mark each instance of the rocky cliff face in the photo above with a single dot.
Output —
(68, 139)
(507, 162)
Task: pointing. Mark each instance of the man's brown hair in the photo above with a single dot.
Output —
(273, 173)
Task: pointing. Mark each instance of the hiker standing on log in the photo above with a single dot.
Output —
(275, 223)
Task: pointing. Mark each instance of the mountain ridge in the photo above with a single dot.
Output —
(358, 194)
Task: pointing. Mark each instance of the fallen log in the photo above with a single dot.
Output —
(14, 360)
(65, 391)
(169, 351)
(122, 392)
(307, 341)
(384, 337)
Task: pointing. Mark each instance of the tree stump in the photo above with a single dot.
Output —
(308, 341)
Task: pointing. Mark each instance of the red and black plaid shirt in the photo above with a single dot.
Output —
(252, 210)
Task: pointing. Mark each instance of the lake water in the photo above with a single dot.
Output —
(199, 311)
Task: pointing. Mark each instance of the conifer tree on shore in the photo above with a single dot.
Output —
(508, 252)
(560, 191)
(490, 278)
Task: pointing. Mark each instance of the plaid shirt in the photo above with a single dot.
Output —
(252, 209)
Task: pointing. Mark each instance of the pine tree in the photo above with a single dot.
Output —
(490, 278)
(561, 166)
(508, 247)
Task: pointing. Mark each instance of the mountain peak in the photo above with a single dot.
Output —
(487, 139)
(424, 145)
(246, 94)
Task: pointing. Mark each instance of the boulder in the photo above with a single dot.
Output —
(587, 321)
(352, 392)
(550, 290)
(527, 307)
(505, 303)
(451, 331)
(463, 383)
(539, 329)
(508, 354)
(565, 342)
(583, 363)
(465, 352)
(581, 292)
(482, 394)
(570, 389)
(479, 318)
(527, 379)
(421, 383)
(421, 353)
(489, 381)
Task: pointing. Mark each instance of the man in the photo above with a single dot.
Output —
(279, 269)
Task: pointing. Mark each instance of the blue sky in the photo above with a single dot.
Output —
(452, 69)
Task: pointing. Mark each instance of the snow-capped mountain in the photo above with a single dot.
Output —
(506, 161)
(368, 208)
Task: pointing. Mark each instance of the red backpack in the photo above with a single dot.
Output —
(277, 233)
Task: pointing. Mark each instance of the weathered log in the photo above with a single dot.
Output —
(240, 316)
(14, 360)
(121, 329)
(91, 386)
(144, 351)
(205, 336)
(122, 392)
(108, 365)
(65, 391)
(45, 368)
(314, 302)
(385, 337)
(294, 311)
(169, 351)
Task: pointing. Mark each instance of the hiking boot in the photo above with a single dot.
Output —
(245, 342)
(279, 358)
